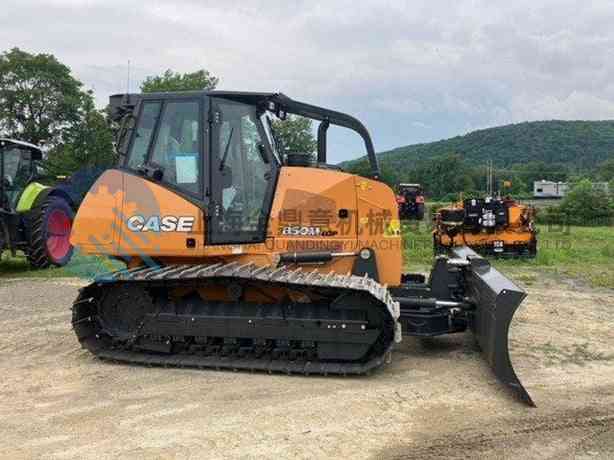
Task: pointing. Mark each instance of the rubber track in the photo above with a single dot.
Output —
(273, 275)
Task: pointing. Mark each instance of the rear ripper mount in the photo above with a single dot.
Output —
(323, 324)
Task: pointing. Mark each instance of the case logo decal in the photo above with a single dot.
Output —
(160, 224)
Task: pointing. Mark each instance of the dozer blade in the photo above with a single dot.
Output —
(496, 300)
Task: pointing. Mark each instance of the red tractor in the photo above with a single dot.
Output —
(410, 199)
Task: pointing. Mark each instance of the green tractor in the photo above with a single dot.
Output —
(34, 218)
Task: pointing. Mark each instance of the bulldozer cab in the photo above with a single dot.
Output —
(17, 168)
(218, 150)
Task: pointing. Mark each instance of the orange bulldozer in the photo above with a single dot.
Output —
(490, 226)
(239, 256)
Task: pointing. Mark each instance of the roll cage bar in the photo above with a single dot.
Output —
(278, 103)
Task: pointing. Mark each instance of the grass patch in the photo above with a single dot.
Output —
(585, 253)
(79, 267)
(579, 252)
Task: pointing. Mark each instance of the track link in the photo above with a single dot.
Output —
(116, 319)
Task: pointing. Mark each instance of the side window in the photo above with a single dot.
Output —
(177, 145)
(147, 122)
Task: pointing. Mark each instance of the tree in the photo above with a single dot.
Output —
(584, 205)
(444, 176)
(38, 97)
(88, 144)
(606, 170)
(41, 102)
(175, 81)
(296, 134)
(518, 188)
(534, 171)
(511, 182)
(359, 167)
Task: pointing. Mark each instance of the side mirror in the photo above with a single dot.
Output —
(151, 170)
(157, 174)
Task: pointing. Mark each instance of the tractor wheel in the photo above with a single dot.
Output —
(50, 234)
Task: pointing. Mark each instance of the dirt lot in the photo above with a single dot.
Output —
(436, 399)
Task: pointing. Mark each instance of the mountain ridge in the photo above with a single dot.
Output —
(579, 144)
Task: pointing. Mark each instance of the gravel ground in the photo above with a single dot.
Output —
(436, 399)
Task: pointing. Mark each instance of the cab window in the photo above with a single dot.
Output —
(17, 172)
(142, 139)
(177, 146)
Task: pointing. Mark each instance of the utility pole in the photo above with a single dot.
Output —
(489, 178)
(495, 189)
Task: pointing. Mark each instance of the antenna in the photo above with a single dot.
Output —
(128, 79)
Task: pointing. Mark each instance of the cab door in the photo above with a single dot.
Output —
(242, 175)
(168, 149)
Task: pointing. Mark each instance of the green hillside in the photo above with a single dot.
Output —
(582, 144)
(523, 152)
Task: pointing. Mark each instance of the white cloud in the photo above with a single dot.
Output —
(574, 106)
(452, 65)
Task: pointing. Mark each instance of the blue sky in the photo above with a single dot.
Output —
(412, 71)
